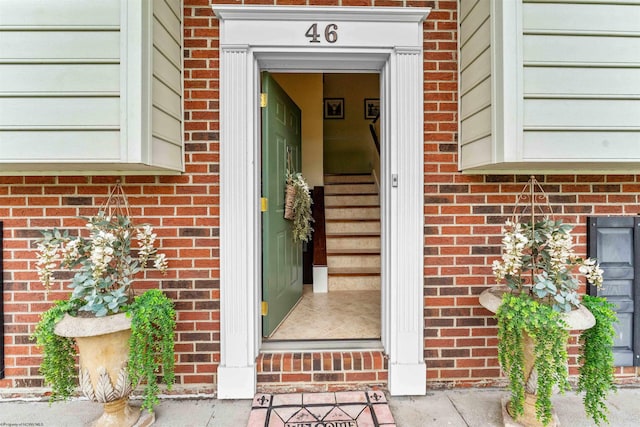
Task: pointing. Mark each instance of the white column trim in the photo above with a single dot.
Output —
(407, 370)
(238, 212)
(243, 42)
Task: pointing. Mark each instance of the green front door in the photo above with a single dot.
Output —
(281, 257)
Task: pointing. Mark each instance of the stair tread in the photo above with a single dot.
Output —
(356, 207)
(358, 194)
(356, 184)
(348, 178)
(353, 251)
(369, 206)
(347, 234)
(362, 188)
(338, 195)
(352, 220)
(351, 207)
(352, 184)
(348, 174)
(356, 191)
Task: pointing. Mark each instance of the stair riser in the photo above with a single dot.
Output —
(352, 213)
(356, 283)
(352, 227)
(353, 243)
(350, 189)
(352, 261)
(341, 179)
(351, 201)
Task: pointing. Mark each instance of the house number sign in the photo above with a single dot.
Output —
(330, 33)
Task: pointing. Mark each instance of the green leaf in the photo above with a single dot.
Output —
(596, 358)
(151, 343)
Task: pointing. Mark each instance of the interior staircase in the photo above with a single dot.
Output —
(352, 215)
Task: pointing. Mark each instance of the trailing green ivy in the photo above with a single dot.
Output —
(59, 353)
(519, 314)
(151, 343)
(151, 346)
(596, 359)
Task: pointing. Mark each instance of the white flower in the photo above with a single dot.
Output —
(47, 258)
(514, 243)
(101, 252)
(160, 263)
(544, 249)
(592, 272)
(70, 251)
(103, 259)
(146, 239)
(560, 247)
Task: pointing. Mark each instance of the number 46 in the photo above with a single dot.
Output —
(330, 33)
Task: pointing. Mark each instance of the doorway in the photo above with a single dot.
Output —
(341, 162)
(384, 40)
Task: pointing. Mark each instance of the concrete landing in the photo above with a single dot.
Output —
(439, 408)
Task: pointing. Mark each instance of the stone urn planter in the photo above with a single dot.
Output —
(103, 347)
(578, 319)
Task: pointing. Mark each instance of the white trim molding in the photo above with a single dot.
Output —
(384, 40)
(320, 279)
(407, 370)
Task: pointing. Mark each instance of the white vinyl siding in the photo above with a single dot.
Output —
(475, 82)
(582, 82)
(61, 13)
(79, 86)
(59, 113)
(103, 145)
(62, 79)
(167, 85)
(578, 103)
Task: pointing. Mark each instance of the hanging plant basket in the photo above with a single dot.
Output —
(297, 207)
(289, 200)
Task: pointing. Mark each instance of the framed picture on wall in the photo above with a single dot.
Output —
(334, 108)
(371, 108)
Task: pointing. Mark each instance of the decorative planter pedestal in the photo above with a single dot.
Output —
(103, 346)
(579, 319)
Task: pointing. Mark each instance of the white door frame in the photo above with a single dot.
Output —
(385, 40)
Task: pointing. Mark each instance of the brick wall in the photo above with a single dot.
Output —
(462, 238)
(463, 217)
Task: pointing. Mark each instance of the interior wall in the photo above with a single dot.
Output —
(306, 91)
(348, 146)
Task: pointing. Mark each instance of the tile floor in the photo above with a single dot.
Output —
(340, 409)
(332, 316)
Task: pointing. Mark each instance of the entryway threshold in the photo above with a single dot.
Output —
(320, 346)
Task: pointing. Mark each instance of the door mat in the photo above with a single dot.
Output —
(339, 409)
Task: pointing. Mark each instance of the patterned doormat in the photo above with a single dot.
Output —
(340, 409)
